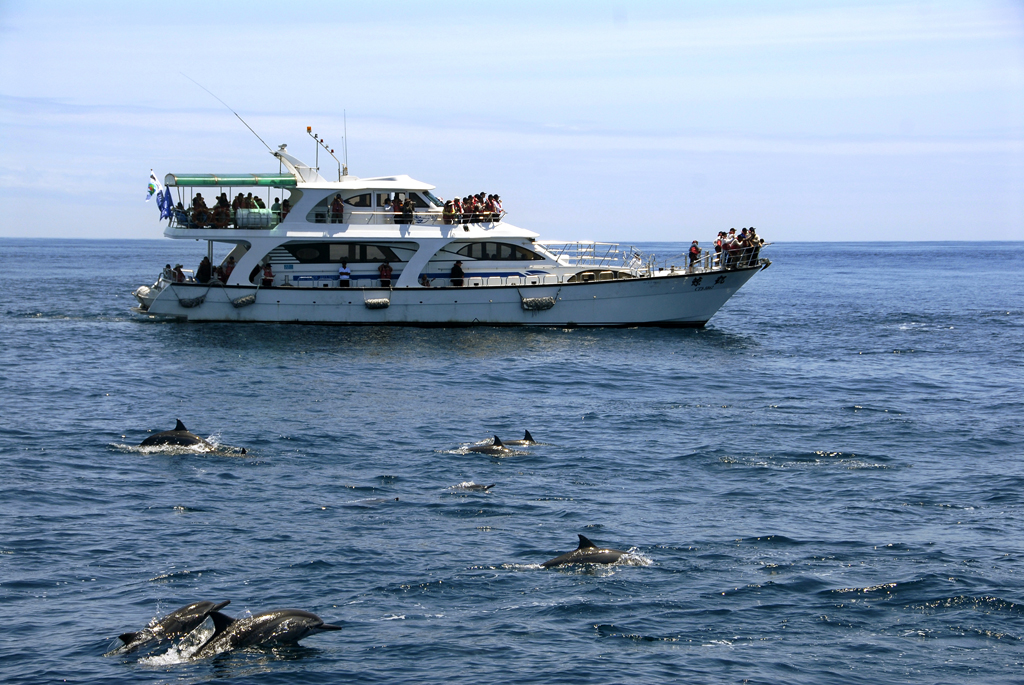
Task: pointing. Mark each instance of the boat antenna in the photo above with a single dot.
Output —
(344, 140)
(228, 106)
(323, 143)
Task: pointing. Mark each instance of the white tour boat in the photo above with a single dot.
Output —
(510, 278)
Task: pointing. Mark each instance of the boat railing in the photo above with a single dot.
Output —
(709, 261)
(593, 254)
(244, 219)
(418, 218)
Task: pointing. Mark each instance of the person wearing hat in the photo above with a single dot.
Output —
(695, 252)
(457, 275)
(179, 275)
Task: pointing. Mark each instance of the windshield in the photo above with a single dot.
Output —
(433, 200)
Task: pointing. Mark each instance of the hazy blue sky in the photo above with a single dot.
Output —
(596, 120)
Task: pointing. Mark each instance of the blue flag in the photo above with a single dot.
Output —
(163, 201)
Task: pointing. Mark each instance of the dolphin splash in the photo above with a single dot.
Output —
(174, 625)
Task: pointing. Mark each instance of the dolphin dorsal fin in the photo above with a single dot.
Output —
(127, 638)
(221, 622)
(528, 437)
(584, 542)
(180, 426)
(497, 442)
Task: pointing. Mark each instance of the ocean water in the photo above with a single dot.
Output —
(825, 485)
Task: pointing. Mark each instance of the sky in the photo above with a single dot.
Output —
(602, 120)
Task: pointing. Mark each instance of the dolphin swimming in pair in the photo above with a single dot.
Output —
(527, 440)
(174, 625)
(179, 437)
(281, 626)
(586, 553)
(496, 448)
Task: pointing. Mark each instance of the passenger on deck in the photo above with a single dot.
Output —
(238, 202)
(385, 274)
(407, 211)
(286, 207)
(719, 246)
(259, 203)
(448, 213)
(457, 275)
(337, 210)
(268, 275)
(276, 209)
(344, 275)
(179, 275)
(204, 272)
(221, 213)
(695, 253)
(229, 266)
(181, 216)
(200, 212)
(396, 208)
(457, 206)
(168, 273)
(424, 280)
(497, 207)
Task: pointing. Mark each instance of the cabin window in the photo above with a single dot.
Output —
(325, 253)
(383, 199)
(432, 198)
(418, 202)
(359, 200)
(498, 251)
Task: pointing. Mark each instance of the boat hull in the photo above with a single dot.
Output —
(670, 301)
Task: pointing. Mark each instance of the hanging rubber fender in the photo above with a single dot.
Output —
(377, 303)
(243, 301)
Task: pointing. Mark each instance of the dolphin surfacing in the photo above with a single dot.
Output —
(527, 440)
(586, 553)
(497, 447)
(180, 437)
(281, 626)
(174, 625)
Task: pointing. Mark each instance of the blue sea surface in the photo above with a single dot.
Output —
(825, 485)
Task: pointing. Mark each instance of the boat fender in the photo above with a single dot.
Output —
(243, 301)
(377, 303)
(538, 304)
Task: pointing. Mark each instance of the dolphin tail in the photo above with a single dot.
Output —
(127, 638)
(180, 426)
(328, 626)
(497, 442)
(221, 622)
(528, 437)
(585, 543)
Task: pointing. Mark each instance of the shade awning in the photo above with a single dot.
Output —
(239, 180)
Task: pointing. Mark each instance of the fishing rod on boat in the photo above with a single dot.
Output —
(229, 108)
(321, 143)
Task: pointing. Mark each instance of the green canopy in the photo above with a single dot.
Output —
(194, 180)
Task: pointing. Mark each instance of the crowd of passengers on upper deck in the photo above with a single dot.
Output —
(224, 213)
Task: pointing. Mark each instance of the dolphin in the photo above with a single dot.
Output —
(180, 436)
(472, 486)
(586, 553)
(282, 626)
(527, 440)
(496, 447)
(170, 627)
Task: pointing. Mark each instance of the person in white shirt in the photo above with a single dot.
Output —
(344, 275)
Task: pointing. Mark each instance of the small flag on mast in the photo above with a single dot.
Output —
(154, 186)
